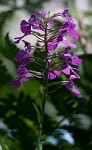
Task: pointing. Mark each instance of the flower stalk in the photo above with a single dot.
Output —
(45, 90)
(47, 54)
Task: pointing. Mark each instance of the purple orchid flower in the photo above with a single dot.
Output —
(43, 14)
(68, 60)
(66, 42)
(28, 46)
(17, 82)
(73, 88)
(18, 39)
(68, 70)
(52, 45)
(26, 25)
(21, 70)
(48, 42)
(65, 12)
(21, 55)
(52, 74)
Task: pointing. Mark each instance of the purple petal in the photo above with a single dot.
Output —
(28, 74)
(66, 70)
(26, 43)
(19, 56)
(51, 76)
(41, 26)
(28, 46)
(15, 83)
(68, 85)
(59, 38)
(26, 56)
(75, 73)
(26, 62)
(67, 56)
(23, 23)
(43, 13)
(65, 25)
(77, 93)
(76, 61)
(71, 24)
(72, 77)
(64, 14)
(32, 19)
(20, 70)
(57, 72)
(74, 36)
(51, 21)
(23, 79)
(36, 27)
(52, 45)
(67, 50)
(66, 42)
(26, 29)
(63, 31)
(18, 39)
(73, 31)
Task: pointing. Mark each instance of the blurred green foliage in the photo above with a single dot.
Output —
(18, 120)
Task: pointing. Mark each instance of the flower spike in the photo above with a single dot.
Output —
(50, 40)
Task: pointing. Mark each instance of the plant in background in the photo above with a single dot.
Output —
(51, 62)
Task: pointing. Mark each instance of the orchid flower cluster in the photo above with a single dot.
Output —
(49, 38)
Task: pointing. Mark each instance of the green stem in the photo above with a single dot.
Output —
(57, 83)
(45, 90)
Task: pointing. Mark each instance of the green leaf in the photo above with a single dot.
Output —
(3, 146)
(38, 114)
(29, 123)
(87, 65)
(3, 17)
(40, 147)
(8, 49)
(4, 75)
(88, 13)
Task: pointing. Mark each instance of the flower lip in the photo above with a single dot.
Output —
(15, 83)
